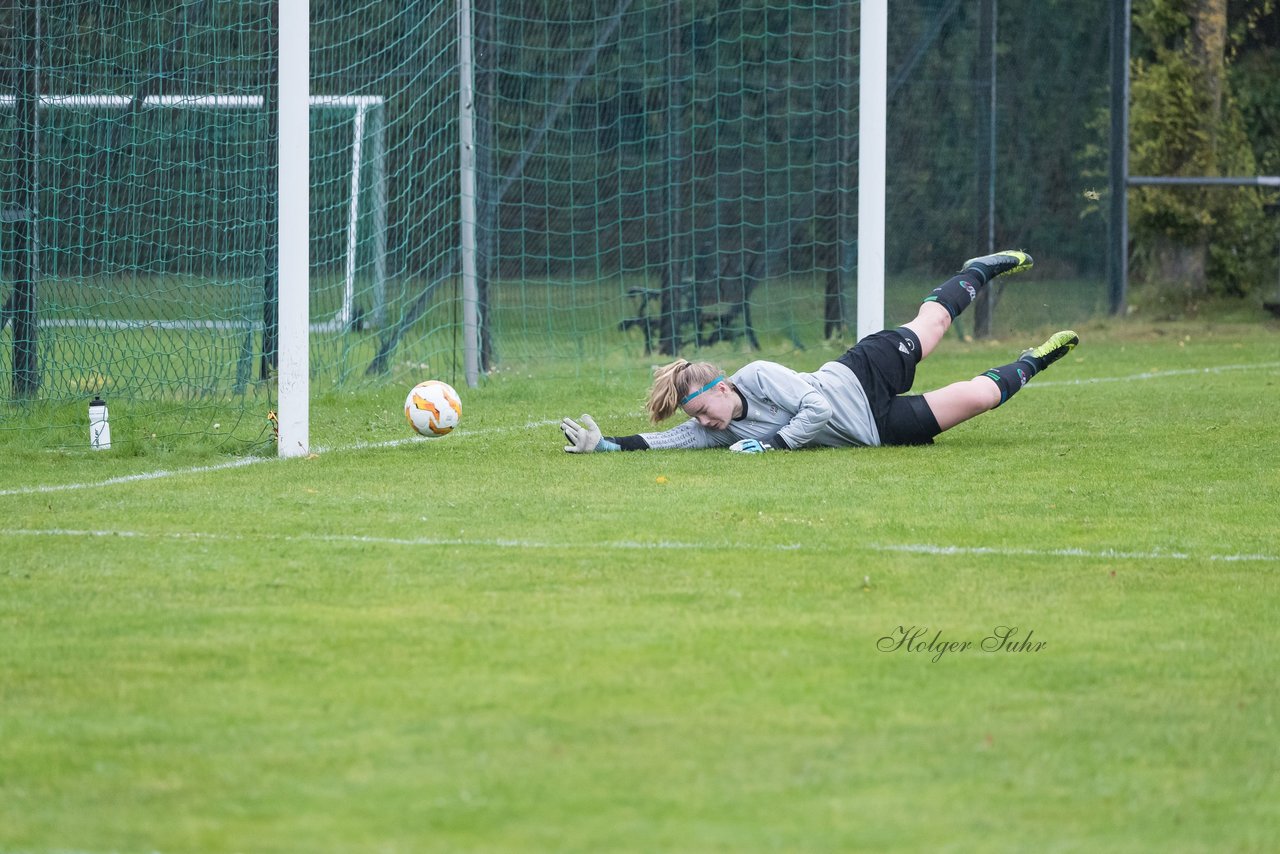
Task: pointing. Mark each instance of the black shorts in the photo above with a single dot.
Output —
(885, 364)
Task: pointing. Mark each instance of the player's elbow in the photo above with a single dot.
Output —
(818, 410)
(815, 412)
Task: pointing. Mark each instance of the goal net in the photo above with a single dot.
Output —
(141, 207)
(646, 178)
(157, 143)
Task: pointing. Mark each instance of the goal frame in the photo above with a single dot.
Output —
(368, 121)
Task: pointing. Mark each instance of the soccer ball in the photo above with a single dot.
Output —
(433, 408)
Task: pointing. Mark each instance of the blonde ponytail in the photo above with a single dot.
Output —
(672, 382)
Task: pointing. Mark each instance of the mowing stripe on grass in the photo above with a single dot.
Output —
(628, 545)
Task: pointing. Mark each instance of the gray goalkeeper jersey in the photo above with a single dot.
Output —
(827, 408)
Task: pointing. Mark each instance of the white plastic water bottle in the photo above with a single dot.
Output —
(99, 427)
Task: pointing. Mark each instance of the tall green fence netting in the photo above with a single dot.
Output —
(652, 178)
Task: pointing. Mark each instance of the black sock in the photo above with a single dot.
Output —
(956, 293)
(982, 271)
(1012, 377)
(1034, 361)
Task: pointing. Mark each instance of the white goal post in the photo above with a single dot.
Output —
(293, 388)
(368, 121)
(872, 135)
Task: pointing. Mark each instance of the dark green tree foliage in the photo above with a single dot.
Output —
(1187, 120)
(1051, 74)
(1254, 74)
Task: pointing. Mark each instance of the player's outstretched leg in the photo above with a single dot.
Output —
(1012, 377)
(956, 294)
(961, 401)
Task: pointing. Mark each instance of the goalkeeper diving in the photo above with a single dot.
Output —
(860, 399)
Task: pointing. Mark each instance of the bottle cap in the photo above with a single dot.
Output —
(97, 401)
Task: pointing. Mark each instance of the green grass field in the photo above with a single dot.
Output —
(484, 644)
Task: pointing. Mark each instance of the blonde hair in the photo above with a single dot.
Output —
(672, 382)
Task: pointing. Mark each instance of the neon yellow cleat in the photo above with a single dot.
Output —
(1058, 345)
(1006, 261)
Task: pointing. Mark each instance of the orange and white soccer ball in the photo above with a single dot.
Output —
(433, 408)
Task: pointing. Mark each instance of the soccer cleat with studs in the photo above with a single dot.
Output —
(1007, 261)
(1058, 345)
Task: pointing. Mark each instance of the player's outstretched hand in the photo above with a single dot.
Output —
(583, 438)
(750, 446)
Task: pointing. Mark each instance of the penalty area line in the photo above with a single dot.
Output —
(632, 545)
(1093, 554)
(133, 478)
(364, 539)
(1157, 375)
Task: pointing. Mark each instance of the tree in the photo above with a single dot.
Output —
(1193, 241)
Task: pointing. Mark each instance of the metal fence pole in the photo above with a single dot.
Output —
(1118, 252)
(26, 358)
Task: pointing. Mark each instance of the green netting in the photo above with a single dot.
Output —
(960, 183)
(653, 176)
(150, 157)
(685, 171)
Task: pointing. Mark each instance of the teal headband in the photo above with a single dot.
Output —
(691, 395)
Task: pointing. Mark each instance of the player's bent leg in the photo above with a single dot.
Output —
(1009, 379)
(961, 401)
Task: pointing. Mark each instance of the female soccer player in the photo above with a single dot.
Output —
(859, 399)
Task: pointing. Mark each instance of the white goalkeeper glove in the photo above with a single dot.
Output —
(750, 446)
(583, 438)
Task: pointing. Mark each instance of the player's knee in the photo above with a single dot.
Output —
(984, 393)
(933, 316)
(930, 325)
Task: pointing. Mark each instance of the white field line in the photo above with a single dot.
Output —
(131, 478)
(362, 539)
(1156, 375)
(248, 461)
(628, 545)
(1101, 554)
(237, 463)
